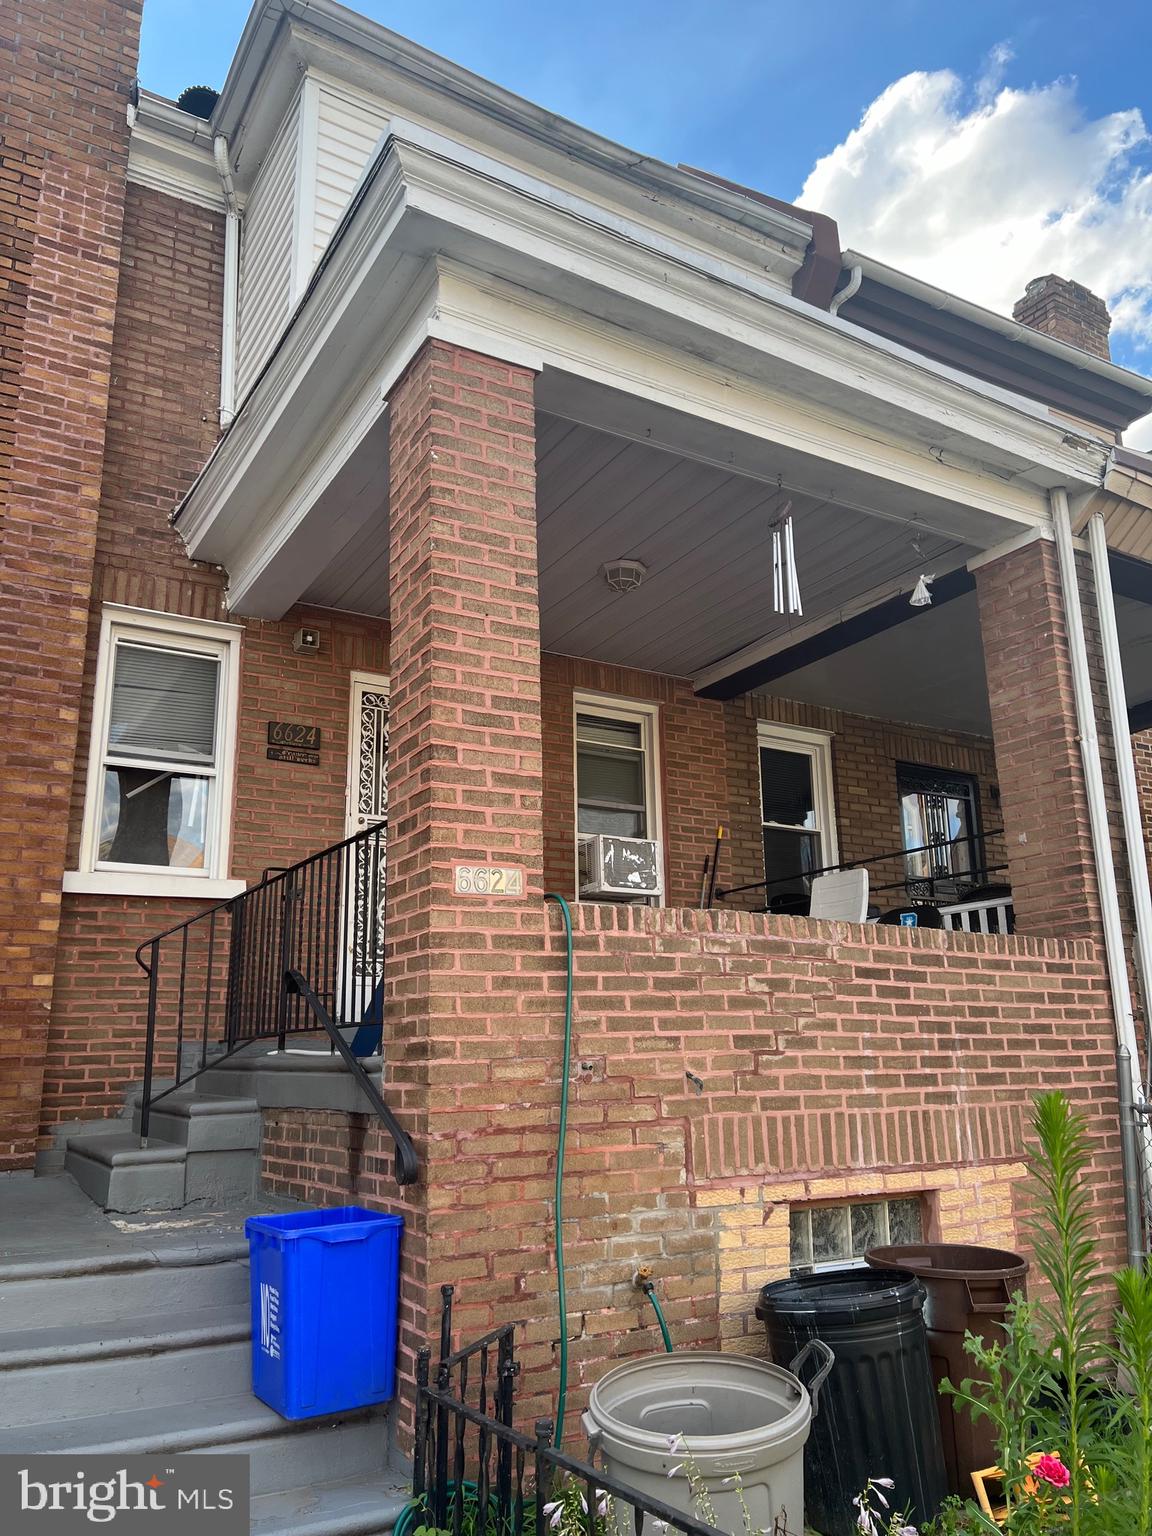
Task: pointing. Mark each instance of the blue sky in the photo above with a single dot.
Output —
(761, 91)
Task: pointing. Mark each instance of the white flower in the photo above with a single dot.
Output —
(883, 1482)
(676, 1442)
(879, 1495)
(555, 1512)
(679, 1467)
(907, 1530)
(602, 1507)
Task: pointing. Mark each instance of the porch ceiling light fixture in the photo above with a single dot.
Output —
(921, 596)
(624, 575)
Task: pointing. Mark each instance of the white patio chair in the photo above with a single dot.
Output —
(841, 896)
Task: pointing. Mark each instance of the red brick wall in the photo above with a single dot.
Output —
(709, 774)
(161, 427)
(63, 123)
(464, 973)
(693, 759)
(865, 754)
(836, 1061)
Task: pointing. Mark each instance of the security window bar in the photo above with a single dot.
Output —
(160, 762)
(941, 809)
(611, 776)
(831, 1236)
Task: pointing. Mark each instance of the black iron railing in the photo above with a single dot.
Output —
(300, 951)
(953, 871)
(475, 1474)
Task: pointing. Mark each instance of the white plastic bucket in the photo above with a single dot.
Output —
(743, 1420)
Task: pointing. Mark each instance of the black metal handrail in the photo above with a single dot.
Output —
(474, 1471)
(917, 887)
(301, 949)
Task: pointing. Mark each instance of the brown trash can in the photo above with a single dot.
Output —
(969, 1289)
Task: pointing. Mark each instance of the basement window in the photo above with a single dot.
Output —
(159, 787)
(831, 1236)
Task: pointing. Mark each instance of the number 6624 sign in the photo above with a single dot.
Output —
(487, 880)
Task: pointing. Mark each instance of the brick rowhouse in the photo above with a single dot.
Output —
(65, 132)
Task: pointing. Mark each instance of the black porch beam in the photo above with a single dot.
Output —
(838, 637)
(1140, 716)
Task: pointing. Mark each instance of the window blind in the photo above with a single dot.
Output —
(164, 704)
(786, 787)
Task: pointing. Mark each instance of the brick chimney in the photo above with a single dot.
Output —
(1068, 311)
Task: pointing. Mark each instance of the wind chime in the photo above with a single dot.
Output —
(785, 582)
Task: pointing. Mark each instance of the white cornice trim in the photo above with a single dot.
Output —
(171, 152)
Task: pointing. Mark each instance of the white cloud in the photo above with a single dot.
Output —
(978, 188)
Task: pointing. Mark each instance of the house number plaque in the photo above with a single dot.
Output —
(292, 743)
(488, 880)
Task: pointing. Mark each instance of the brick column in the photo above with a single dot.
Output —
(65, 138)
(470, 1061)
(1042, 796)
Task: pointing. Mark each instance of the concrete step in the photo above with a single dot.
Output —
(147, 1362)
(203, 1122)
(51, 1159)
(282, 1454)
(110, 1287)
(119, 1174)
(300, 1078)
(354, 1507)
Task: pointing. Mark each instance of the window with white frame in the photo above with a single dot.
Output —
(825, 1236)
(797, 815)
(160, 769)
(616, 775)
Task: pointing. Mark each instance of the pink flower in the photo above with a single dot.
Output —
(1052, 1470)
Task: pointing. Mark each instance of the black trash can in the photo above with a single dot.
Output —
(878, 1413)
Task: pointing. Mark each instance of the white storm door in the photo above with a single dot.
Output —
(367, 807)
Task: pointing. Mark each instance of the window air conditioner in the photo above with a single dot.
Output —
(620, 866)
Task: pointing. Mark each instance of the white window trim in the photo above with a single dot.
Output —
(175, 631)
(647, 717)
(817, 747)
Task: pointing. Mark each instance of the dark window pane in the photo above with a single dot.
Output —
(786, 788)
(938, 809)
(152, 817)
(606, 773)
(905, 1224)
(867, 1227)
(789, 858)
(800, 1240)
(601, 818)
(830, 1239)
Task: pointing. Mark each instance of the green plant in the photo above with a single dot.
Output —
(1068, 1388)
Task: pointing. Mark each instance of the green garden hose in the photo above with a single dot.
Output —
(650, 1291)
(558, 1198)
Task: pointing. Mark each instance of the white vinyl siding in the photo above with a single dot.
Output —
(349, 129)
(267, 249)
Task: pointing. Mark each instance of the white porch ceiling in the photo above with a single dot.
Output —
(704, 535)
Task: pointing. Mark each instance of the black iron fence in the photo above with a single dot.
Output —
(475, 1474)
(300, 951)
(945, 873)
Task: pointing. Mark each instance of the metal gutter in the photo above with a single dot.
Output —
(1013, 330)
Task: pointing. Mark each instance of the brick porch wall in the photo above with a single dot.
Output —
(836, 1061)
(62, 121)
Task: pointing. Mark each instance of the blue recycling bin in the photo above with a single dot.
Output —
(325, 1292)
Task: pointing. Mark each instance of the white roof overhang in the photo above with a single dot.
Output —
(445, 240)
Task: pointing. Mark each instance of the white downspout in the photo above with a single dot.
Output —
(1125, 763)
(850, 288)
(231, 283)
(1133, 1136)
